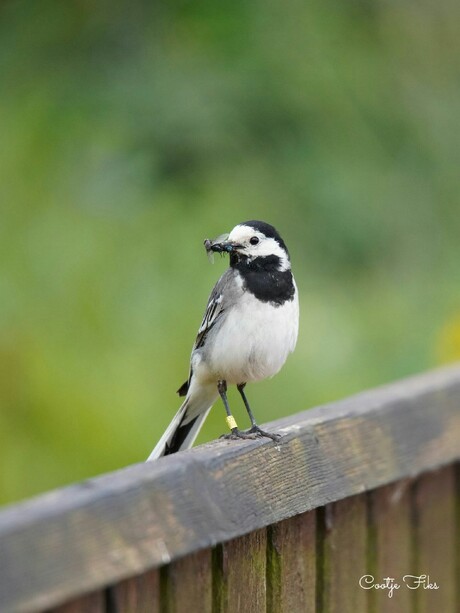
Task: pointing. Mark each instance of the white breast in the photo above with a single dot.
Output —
(253, 341)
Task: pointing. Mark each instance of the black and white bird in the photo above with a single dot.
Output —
(248, 330)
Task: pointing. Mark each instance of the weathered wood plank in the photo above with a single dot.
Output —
(435, 535)
(391, 547)
(457, 540)
(106, 529)
(89, 603)
(139, 594)
(291, 565)
(240, 574)
(345, 556)
(189, 583)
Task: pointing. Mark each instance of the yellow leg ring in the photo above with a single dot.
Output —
(231, 423)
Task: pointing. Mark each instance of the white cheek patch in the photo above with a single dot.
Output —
(266, 246)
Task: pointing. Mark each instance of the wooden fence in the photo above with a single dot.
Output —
(366, 487)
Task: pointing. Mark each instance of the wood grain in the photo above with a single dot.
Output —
(139, 594)
(189, 584)
(345, 556)
(89, 603)
(291, 565)
(240, 574)
(391, 547)
(434, 538)
(93, 534)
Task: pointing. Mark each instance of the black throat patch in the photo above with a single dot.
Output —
(262, 278)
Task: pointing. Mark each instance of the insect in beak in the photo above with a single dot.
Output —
(218, 245)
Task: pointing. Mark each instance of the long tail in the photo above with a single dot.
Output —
(183, 429)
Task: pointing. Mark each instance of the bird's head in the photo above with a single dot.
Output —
(252, 243)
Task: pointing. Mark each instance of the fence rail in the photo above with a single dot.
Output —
(365, 486)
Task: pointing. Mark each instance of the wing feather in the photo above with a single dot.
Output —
(214, 311)
(216, 307)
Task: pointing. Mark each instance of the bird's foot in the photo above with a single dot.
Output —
(259, 433)
(236, 434)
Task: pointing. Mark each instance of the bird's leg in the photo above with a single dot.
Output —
(240, 388)
(254, 427)
(235, 433)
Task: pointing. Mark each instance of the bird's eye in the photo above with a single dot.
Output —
(254, 240)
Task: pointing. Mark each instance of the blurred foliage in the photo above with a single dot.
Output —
(132, 131)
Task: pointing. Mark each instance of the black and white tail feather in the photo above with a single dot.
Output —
(180, 434)
(186, 424)
(249, 327)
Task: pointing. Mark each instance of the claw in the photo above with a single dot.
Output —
(236, 434)
(262, 433)
(254, 433)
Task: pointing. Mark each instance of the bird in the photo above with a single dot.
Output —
(249, 328)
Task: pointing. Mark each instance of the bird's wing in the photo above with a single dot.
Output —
(217, 305)
(215, 308)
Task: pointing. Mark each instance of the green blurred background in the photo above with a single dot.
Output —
(131, 131)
